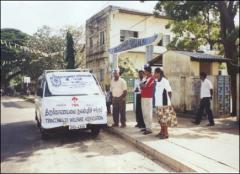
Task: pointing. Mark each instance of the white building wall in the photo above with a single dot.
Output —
(145, 25)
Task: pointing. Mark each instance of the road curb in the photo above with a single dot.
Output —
(178, 166)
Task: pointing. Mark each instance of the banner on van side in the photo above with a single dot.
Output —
(73, 110)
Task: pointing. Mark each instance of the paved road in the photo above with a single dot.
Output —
(22, 149)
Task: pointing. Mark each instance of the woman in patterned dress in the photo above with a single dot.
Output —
(164, 109)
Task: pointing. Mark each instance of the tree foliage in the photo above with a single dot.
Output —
(192, 33)
(225, 12)
(12, 59)
(47, 41)
(52, 41)
(70, 52)
(78, 36)
(127, 68)
(15, 61)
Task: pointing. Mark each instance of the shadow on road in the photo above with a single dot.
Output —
(22, 139)
(18, 104)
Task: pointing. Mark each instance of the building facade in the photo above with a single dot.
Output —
(182, 68)
(112, 26)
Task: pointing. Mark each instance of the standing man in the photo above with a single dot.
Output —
(146, 101)
(137, 90)
(118, 90)
(205, 95)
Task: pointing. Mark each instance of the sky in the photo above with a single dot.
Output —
(28, 16)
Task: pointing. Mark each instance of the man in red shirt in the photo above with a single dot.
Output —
(146, 99)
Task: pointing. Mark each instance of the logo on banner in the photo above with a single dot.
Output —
(75, 99)
(55, 80)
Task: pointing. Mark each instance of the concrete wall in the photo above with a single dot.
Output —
(175, 64)
(186, 94)
(178, 92)
(195, 68)
(146, 26)
(215, 68)
(183, 74)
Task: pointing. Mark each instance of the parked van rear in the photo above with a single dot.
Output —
(69, 98)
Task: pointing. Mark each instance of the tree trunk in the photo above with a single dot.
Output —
(230, 49)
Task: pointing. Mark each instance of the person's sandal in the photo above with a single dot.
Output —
(210, 124)
(159, 134)
(114, 125)
(163, 137)
(147, 132)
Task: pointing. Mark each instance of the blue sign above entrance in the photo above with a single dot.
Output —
(133, 43)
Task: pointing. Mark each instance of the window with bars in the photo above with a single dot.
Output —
(164, 41)
(90, 42)
(126, 34)
(101, 75)
(102, 38)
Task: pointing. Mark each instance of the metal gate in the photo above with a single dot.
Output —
(130, 88)
(223, 95)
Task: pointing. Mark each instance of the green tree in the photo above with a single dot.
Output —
(127, 68)
(13, 59)
(78, 35)
(70, 52)
(51, 41)
(47, 41)
(226, 12)
(192, 33)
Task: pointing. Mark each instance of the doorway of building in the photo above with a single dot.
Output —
(205, 67)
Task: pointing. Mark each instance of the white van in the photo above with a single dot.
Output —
(69, 98)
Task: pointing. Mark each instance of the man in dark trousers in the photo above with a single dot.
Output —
(137, 90)
(118, 88)
(205, 95)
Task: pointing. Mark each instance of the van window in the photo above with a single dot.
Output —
(47, 92)
(39, 91)
(71, 83)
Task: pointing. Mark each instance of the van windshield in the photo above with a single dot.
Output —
(71, 83)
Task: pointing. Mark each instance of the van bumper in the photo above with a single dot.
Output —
(66, 128)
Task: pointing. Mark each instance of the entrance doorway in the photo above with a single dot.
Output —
(206, 67)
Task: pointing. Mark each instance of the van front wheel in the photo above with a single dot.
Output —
(95, 131)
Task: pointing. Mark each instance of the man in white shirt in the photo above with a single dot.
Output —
(118, 88)
(137, 90)
(206, 93)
